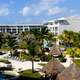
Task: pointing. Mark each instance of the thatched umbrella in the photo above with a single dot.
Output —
(71, 73)
(53, 68)
(55, 51)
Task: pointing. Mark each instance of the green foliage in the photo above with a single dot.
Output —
(77, 52)
(44, 31)
(2, 39)
(62, 58)
(73, 52)
(5, 46)
(42, 64)
(70, 38)
(38, 50)
(31, 48)
(23, 56)
(70, 51)
(77, 62)
(45, 57)
(23, 45)
(28, 73)
(11, 41)
(7, 41)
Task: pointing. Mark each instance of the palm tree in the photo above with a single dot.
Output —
(2, 39)
(34, 40)
(11, 42)
(32, 51)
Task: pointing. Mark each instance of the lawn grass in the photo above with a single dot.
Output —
(5, 61)
(4, 49)
(77, 62)
(42, 64)
(28, 73)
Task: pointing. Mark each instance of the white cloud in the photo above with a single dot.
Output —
(4, 11)
(55, 10)
(25, 11)
(41, 6)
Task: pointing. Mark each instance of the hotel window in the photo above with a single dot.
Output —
(2, 29)
(53, 28)
(26, 29)
(13, 30)
(20, 28)
(56, 22)
(51, 23)
(56, 28)
(56, 33)
(8, 30)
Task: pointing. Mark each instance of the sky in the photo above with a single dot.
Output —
(36, 11)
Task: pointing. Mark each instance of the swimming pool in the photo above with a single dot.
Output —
(5, 77)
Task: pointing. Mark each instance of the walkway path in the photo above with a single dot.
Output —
(68, 61)
(20, 66)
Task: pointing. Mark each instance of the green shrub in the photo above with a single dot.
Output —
(77, 62)
(62, 59)
(45, 57)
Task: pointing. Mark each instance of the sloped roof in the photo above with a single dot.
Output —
(55, 50)
(71, 73)
(53, 68)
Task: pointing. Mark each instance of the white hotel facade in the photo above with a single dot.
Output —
(56, 26)
(59, 25)
(16, 28)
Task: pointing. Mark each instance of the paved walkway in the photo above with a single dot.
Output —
(5, 55)
(68, 61)
(20, 66)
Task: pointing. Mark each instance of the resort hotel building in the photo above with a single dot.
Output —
(16, 28)
(56, 26)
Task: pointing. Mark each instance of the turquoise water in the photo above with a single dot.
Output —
(5, 77)
(2, 77)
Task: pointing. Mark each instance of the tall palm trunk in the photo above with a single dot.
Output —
(32, 65)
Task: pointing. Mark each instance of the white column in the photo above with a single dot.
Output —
(23, 29)
(5, 28)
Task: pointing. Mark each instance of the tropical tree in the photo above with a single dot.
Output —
(11, 42)
(22, 44)
(34, 40)
(32, 51)
(2, 39)
(70, 38)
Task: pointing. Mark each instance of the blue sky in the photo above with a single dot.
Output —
(36, 11)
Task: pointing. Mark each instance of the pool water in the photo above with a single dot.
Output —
(2, 77)
(5, 77)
